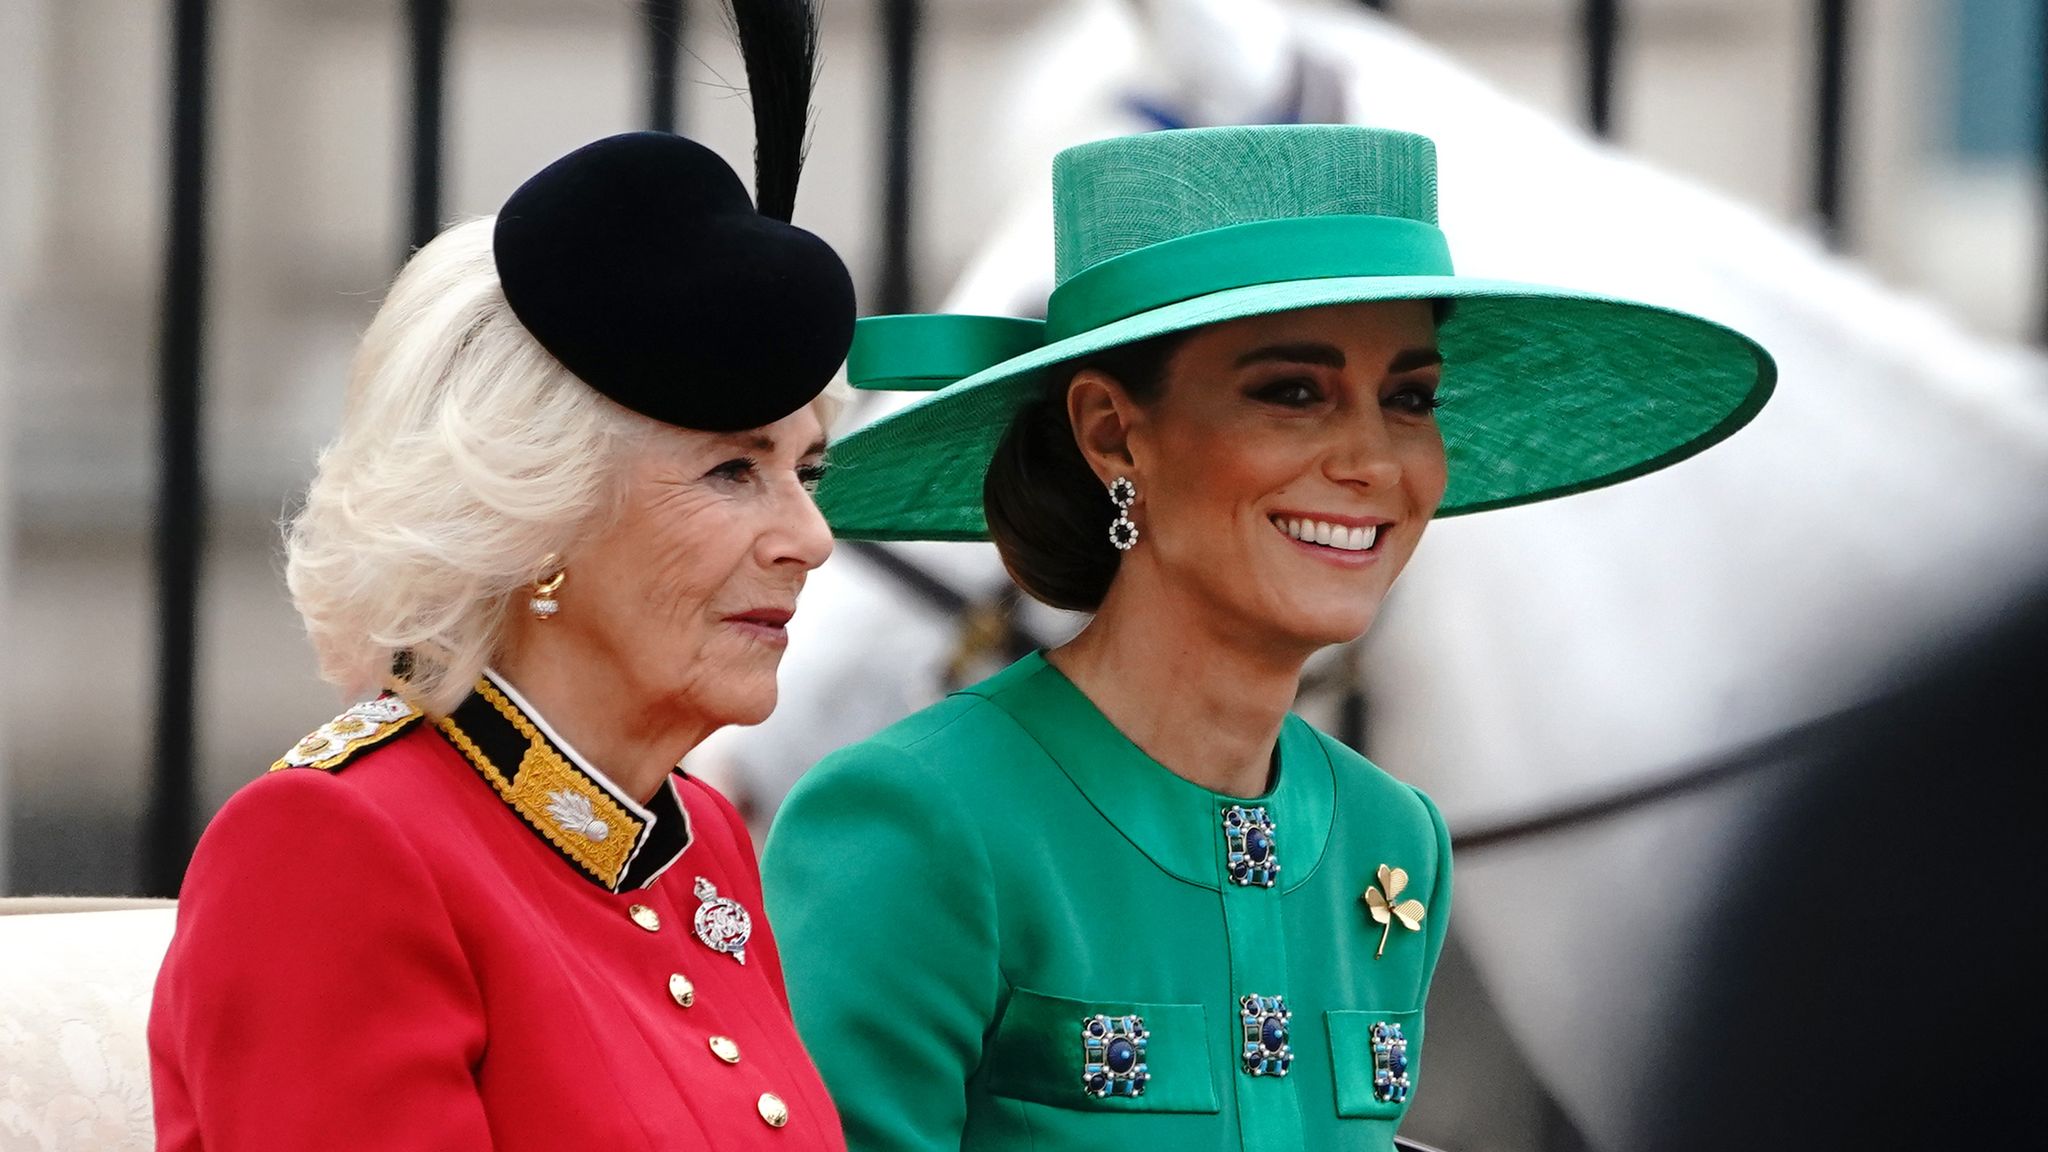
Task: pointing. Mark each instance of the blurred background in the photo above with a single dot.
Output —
(202, 200)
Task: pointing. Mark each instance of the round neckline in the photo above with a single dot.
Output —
(1171, 819)
(1276, 761)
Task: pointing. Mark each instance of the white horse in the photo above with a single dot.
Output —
(1894, 492)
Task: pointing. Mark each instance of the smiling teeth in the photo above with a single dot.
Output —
(1329, 535)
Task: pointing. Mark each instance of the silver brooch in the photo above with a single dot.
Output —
(721, 923)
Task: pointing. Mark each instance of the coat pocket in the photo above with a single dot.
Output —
(1375, 1057)
(1041, 1053)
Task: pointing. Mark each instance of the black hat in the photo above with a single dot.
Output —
(639, 262)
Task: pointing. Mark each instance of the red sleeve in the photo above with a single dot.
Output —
(316, 995)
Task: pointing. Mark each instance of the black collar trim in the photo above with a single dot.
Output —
(615, 842)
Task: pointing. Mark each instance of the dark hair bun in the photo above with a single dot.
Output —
(1047, 512)
(1048, 516)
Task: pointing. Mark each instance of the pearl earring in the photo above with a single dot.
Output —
(1122, 533)
(543, 604)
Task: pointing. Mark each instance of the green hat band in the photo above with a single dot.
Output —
(924, 353)
(1239, 256)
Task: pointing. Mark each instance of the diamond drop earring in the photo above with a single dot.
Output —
(544, 605)
(1122, 533)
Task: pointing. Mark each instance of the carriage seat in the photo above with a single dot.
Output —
(75, 982)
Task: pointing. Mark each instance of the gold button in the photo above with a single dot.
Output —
(679, 986)
(645, 917)
(773, 1110)
(683, 991)
(723, 1048)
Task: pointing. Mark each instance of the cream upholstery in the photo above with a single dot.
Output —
(74, 1004)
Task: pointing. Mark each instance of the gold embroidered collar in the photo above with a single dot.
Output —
(616, 842)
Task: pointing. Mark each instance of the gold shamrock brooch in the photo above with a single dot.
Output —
(1379, 900)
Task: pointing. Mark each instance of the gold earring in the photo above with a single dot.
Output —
(543, 604)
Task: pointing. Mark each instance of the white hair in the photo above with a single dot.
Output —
(467, 454)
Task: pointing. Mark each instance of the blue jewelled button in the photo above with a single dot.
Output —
(1113, 1056)
(1250, 850)
(1266, 1051)
(1390, 1083)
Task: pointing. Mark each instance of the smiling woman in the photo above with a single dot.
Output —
(1043, 497)
(1275, 447)
(555, 543)
(1118, 895)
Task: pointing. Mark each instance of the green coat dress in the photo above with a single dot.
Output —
(984, 908)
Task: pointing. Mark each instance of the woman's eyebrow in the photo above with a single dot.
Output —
(750, 441)
(1413, 358)
(1323, 355)
(764, 444)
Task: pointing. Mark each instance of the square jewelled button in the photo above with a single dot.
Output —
(1266, 1050)
(1113, 1056)
(1389, 1063)
(1250, 854)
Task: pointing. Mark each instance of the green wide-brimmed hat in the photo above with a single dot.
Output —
(1546, 391)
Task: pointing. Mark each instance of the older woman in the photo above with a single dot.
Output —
(558, 539)
(1118, 896)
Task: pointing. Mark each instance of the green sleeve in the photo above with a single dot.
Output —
(881, 900)
(1437, 918)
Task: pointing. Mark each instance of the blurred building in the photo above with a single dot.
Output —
(309, 130)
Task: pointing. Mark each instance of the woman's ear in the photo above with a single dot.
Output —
(1101, 414)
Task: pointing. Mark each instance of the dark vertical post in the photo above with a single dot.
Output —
(901, 23)
(1830, 112)
(427, 21)
(1601, 25)
(664, 48)
(181, 489)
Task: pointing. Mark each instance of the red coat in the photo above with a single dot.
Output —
(444, 941)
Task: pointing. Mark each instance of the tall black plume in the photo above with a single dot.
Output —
(779, 42)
